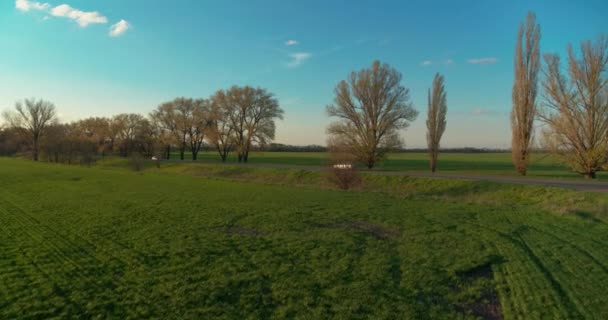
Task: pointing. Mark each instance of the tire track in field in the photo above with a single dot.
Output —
(578, 249)
(58, 251)
(572, 309)
(515, 237)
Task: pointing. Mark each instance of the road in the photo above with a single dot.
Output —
(580, 185)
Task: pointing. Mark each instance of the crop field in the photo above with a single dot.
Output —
(542, 165)
(106, 242)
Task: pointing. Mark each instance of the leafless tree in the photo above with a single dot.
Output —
(183, 109)
(527, 65)
(576, 109)
(166, 119)
(372, 107)
(132, 132)
(221, 133)
(436, 123)
(32, 117)
(96, 131)
(198, 124)
(251, 113)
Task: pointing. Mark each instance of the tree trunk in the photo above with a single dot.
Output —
(168, 156)
(246, 157)
(194, 155)
(35, 149)
(433, 161)
(590, 175)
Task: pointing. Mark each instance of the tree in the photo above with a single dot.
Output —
(96, 131)
(221, 133)
(183, 108)
(527, 65)
(251, 113)
(198, 124)
(576, 109)
(131, 132)
(165, 118)
(372, 106)
(436, 123)
(32, 117)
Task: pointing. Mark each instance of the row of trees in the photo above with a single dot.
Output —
(574, 110)
(372, 108)
(236, 120)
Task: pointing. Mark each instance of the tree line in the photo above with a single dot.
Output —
(372, 108)
(233, 120)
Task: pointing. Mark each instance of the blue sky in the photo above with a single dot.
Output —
(103, 57)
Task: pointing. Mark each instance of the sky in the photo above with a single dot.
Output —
(104, 57)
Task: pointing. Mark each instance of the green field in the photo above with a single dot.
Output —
(194, 242)
(542, 165)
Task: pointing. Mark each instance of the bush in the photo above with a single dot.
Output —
(136, 162)
(344, 176)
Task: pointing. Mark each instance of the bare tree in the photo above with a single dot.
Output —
(251, 113)
(576, 110)
(221, 133)
(32, 117)
(132, 132)
(198, 124)
(527, 65)
(97, 131)
(372, 107)
(436, 123)
(183, 108)
(165, 118)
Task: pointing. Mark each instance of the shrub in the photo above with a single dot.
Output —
(344, 176)
(136, 162)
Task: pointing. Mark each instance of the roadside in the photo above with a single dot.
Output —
(594, 186)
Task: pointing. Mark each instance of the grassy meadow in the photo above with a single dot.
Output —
(209, 242)
(542, 165)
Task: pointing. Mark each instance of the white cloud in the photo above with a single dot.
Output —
(119, 28)
(482, 60)
(298, 58)
(26, 5)
(426, 63)
(291, 43)
(81, 17)
(448, 62)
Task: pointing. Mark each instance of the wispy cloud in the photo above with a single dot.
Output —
(26, 5)
(426, 63)
(298, 58)
(119, 28)
(81, 17)
(291, 43)
(448, 62)
(483, 60)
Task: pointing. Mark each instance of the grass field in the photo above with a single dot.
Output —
(542, 165)
(185, 243)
